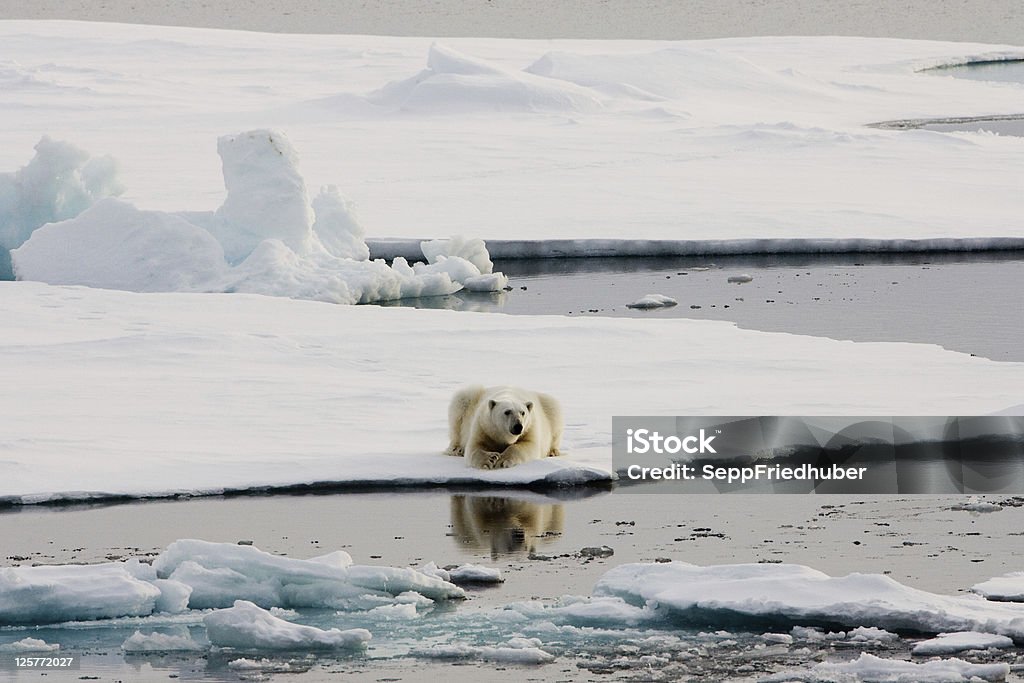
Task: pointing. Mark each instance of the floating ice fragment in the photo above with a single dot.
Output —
(1005, 588)
(740, 279)
(246, 626)
(870, 634)
(871, 669)
(950, 643)
(800, 594)
(474, 573)
(29, 645)
(160, 642)
(653, 301)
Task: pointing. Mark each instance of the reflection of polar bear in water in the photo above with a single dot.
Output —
(503, 426)
(504, 525)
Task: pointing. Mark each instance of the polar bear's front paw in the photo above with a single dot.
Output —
(457, 451)
(486, 460)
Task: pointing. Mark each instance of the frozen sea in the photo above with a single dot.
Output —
(965, 303)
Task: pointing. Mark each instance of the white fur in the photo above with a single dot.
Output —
(482, 424)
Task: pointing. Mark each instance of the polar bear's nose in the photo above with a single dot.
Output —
(517, 428)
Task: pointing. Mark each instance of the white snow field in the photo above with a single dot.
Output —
(761, 140)
(158, 394)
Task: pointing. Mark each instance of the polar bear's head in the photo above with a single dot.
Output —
(511, 418)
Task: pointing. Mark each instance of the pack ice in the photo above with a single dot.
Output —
(194, 574)
(801, 595)
(64, 227)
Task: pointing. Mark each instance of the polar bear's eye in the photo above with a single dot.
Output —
(508, 412)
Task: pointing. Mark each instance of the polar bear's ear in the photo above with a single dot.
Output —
(491, 404)
(529, 405)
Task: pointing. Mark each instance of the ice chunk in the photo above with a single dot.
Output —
(653, 301)
(473, 250)
(494, 282)
(160, 642)
(800, 594)
(266, 197)
(515, 651)
(246, 626)
(950, 643)
(740, 279)
(29, 645)
(1008, 587)
(174, 596)
(475, 573)
(51, 594)
(780, 638)
(113, 245)
(431, 569)
(401, 611)
(221, 573)
(336, 225)
(596, 611)
(263, 240)
(869, 668)
(58, 183)
(870, 634)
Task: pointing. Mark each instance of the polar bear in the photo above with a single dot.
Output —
(503, 426)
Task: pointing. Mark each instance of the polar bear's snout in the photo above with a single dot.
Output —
(517, 428)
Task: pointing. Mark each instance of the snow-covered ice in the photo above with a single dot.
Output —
(803, 595)
(653, 301)
(160, 642)
(951, 643)
(1008, 587)
(221, 573)
(869, 668)
(246, 626)
(475, 573)
(29, 645)
(515, 651)
(203, 575)
(870, 634)
(203, 393)
(49, 594)
(728, 144)
(266, 238)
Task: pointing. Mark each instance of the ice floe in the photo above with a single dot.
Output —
(801, 595)
(869, 668)
(653, 301)
(246, 626)
(951, 643)
(194, 575)
(1008, 587)
(29, 645)
(332, 395)
(161, 642)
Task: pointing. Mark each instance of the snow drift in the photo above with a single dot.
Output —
(268, 237)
